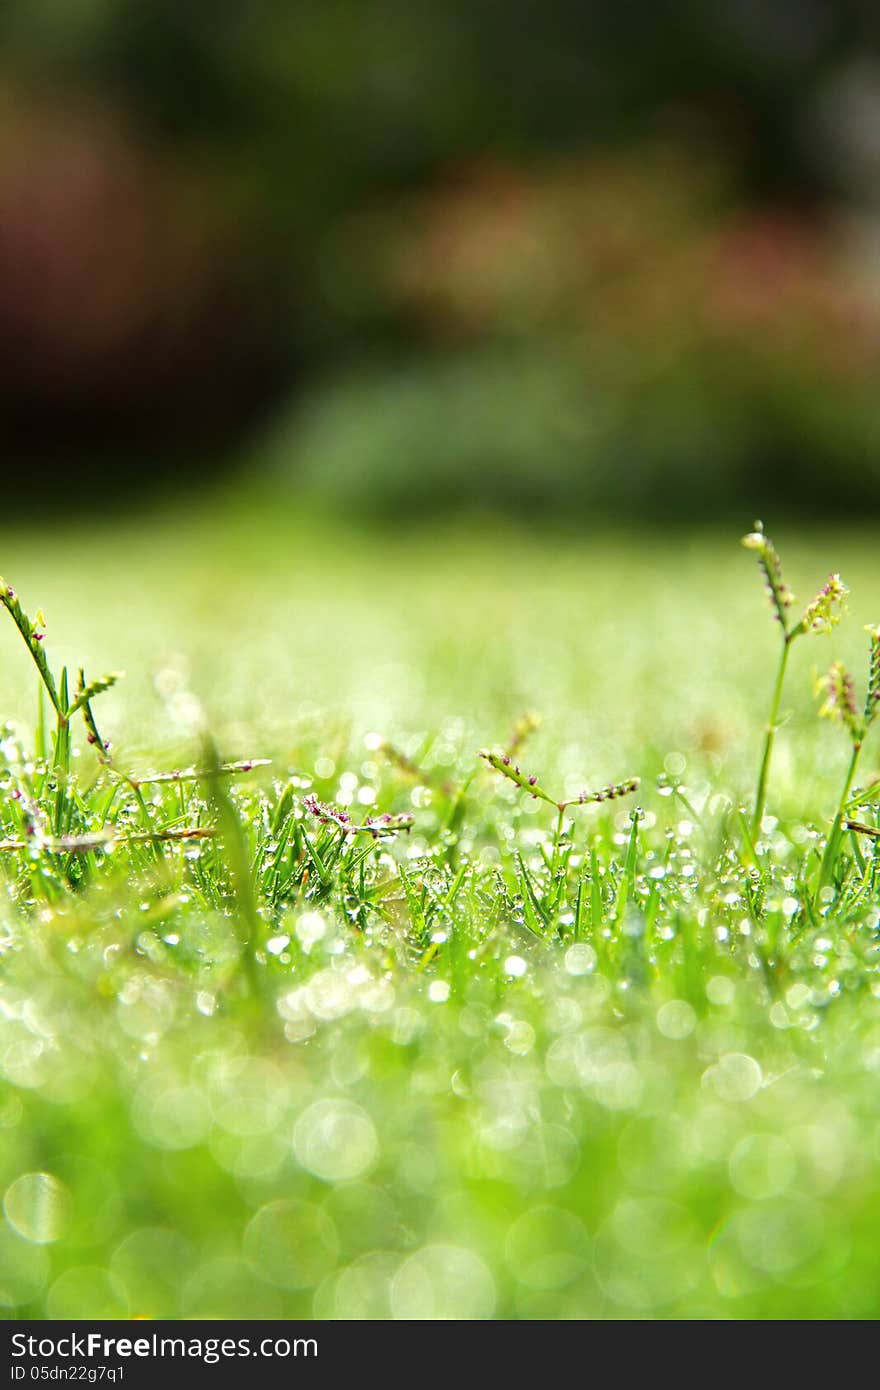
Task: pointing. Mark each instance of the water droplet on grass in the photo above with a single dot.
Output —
(735, 1077)
(676, 1019)
(443, 1282)
(291, 1244)
(336, 1140)
(38, 1207)
(580, 959)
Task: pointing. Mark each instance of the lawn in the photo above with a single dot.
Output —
(619, 1062)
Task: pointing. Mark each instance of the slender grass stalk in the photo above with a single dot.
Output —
(85, 844)
(821, 614)
(872, 831)
(832, 845)
(557, 839)
(769, 739)
(232, 837)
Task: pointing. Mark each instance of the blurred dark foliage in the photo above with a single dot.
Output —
(200, 204)
(117, 308)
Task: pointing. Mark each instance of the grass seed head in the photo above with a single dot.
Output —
(504, 763)
(33, 632)
(523, 728)
(840, 705)
(613, 792)
(385, 824)
(824, 612)
(85, 693)
(781, 597)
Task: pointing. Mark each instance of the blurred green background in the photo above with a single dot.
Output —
(576, 260)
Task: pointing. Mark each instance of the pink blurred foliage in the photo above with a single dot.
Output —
(647, 256)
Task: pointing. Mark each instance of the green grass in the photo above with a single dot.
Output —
(484, 1066)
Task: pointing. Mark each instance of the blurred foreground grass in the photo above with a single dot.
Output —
(607, 1126)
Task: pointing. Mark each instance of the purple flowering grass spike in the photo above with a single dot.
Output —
(840, 704)
(384, 824)
(609, 793)
(501, 762)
